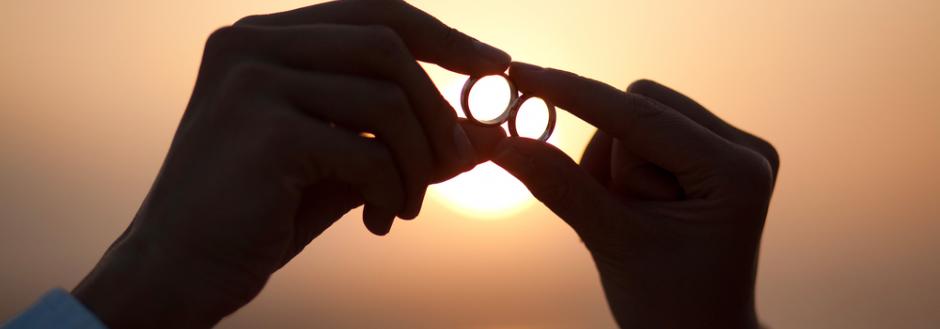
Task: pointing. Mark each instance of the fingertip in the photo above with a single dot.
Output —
(414, 209)
(377, 219)
(494, 56)
(520, 70)
(542, 81)
(410, 215)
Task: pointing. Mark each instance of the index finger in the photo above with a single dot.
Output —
(646, 127)
(426, 37)
(698, 113)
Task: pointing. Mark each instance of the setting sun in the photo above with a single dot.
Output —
(488, 191)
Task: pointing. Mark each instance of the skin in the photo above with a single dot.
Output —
(268, 155)
(669, 199)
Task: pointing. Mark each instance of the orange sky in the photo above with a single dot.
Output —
(91, 92)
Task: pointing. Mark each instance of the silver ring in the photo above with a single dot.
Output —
(511, 111)
(465, 101)
(514, 111)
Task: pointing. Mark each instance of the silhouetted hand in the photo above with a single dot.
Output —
(669, 199)
(269, 154)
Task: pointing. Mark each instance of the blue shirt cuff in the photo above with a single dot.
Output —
(56, 309)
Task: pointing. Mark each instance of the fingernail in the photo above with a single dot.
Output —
(491, 53)
(526, 67)
(464, 147)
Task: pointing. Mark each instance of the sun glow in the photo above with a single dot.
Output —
(488, 191)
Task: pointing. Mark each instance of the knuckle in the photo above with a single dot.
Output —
(382, 33)
(390, 7)
(642, 86)
(749, 172)
(223, 38)
(249, 75)
(646, 109)
(768, 151)
(248, 20)
(279, 130)
(223, 50)
(385, 41)
(392, 103)
(246, 89)
(647, 114)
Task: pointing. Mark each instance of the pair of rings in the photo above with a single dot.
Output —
(510, 113)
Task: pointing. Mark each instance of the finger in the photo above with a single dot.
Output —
(698, 113)
(374, 106)
(645, 127)
(558, 182)
(365, 165)
(484, 140)
(308, 151)
(638, 179)
(597, 157)
(372, 52)
(427, 38)
(626, 174)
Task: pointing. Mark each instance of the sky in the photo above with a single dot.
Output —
(91, 93)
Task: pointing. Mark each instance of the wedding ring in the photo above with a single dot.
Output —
(510, 113)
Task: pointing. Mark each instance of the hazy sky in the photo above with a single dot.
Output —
(91, 92)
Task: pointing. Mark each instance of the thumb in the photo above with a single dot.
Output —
(557, 181)
(484, 141)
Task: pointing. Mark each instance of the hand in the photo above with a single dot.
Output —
(669, 199)
(269, 154)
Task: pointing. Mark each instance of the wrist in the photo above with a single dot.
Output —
(664, 297)
(136, 285)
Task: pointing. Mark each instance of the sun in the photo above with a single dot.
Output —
(488, 192)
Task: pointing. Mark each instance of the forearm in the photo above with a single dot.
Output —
(137, 285)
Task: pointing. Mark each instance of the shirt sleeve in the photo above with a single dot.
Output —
(56, 309)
